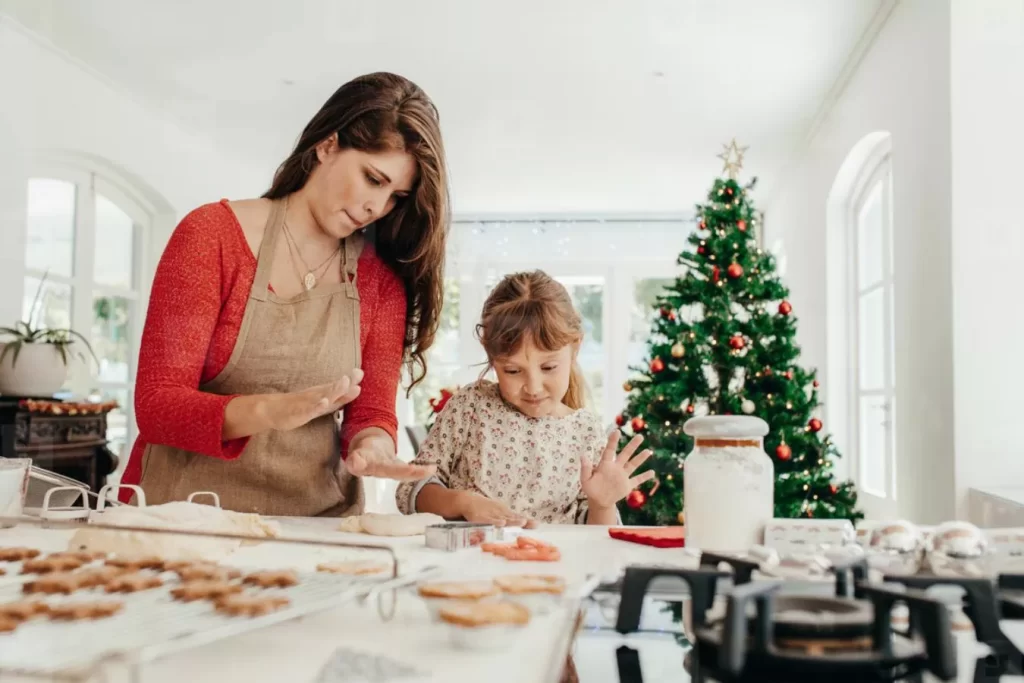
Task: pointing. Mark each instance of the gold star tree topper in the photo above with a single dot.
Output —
(732, 155)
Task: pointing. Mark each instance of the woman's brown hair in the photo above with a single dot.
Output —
(537, 306)
(382, 112)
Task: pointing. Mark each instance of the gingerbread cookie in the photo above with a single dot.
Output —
(249, 605)
(531, 583)
(2, 571)
(355, 568)
(50, 564)
(473, 614)
(462, 590)
(136, 563)
(58, 582)
(207, 572)
(23, 609)
(99, 576)
(75, 611)
(17, 554)
(204, 590)
(133, 583)
(175, 565)
(8, 624)
(279, 579)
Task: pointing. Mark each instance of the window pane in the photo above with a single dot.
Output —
(892, 444)
(117, 420)
(49, 307)
(589, 301)
(872, 340)
(50, 242)
(869, 239)
(873, 442)
(446, 345)
(111, 337)
(645, 295)
(115, 245)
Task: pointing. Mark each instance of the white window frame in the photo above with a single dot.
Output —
(878, 170)
(90, 181)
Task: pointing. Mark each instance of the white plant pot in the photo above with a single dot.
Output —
(40, 371)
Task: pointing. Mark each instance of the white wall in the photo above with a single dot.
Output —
(901, 86)
(52, 103)
(988, 242)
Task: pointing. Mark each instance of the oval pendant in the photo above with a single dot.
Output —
(309, 281)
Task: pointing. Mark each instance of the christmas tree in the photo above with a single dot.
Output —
(722, 343)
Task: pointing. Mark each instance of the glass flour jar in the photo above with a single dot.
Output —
(728, 483)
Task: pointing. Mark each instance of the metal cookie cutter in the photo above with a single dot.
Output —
(453, 536)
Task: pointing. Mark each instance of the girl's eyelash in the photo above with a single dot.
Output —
(373, 181)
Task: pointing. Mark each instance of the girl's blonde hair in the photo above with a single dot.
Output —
(537, 306)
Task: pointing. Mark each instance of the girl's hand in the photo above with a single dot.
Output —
(483, 510)
(370, 460)
(611, 481)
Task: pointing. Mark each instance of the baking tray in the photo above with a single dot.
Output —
(152, 624)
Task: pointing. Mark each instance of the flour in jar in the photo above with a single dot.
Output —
(728, 495)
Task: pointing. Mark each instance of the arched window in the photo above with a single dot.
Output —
(86, 234)
(861, 318)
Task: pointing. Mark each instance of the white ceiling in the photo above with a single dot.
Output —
(547, 106)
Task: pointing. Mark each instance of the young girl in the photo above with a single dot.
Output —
(525, 450)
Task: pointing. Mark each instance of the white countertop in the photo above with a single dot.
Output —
(297, 650)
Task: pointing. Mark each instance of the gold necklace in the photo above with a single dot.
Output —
(310, 278)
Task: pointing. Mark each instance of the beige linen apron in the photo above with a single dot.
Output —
(283, 345)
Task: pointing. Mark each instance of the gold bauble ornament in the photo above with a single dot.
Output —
(681, 518)
(678, 350)
(626, 386)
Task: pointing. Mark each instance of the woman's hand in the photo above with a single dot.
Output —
(611, 481)
(483, 510)
(369, 457)
(296, 408)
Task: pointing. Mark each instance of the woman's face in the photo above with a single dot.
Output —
(351, 189)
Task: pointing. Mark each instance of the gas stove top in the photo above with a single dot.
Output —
(728, 628)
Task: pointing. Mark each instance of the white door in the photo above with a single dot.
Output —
(872, 364)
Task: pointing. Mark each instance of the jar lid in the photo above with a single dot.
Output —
(726, 426)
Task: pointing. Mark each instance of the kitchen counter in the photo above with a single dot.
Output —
(297, 650)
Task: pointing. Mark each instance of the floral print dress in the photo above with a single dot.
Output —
(481, 443)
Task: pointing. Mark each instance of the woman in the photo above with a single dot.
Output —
(269, 315)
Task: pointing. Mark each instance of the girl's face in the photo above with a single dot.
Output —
(350, 189)
(534, 380)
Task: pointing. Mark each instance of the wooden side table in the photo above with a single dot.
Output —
(58, 437)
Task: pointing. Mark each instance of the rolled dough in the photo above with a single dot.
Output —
(381, 524)
(177, 515)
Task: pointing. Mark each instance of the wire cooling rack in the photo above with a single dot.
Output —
(152, 624)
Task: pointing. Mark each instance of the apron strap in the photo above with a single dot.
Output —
(351, 249)
(265, 259)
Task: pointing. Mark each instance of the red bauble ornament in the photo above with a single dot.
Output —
(716, 273)
(785, 308)
(668, 313)
(767, 372)
(703, 225)
(736, 341)
(789, 374)
(810, 512)
(741, 225)
(783, 452)
(816, 384)
(735, 271)
(657, 365)
(833, 489)
(620, 420)
(701, 250)
(814, 424)
(638, 424)
(689, 409)
(636, 499)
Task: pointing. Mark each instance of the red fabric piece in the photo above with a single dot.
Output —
(659, 537)
(196, 304)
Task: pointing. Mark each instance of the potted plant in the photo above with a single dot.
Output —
(34, 360)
